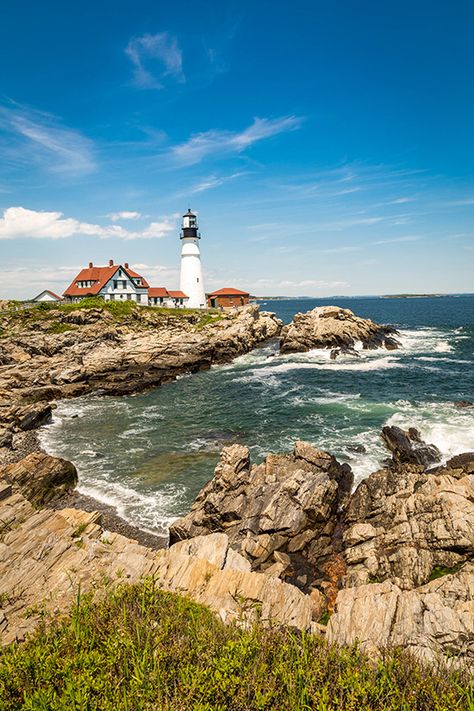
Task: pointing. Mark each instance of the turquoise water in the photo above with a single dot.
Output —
(149, 454)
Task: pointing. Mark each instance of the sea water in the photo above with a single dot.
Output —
(149, 454)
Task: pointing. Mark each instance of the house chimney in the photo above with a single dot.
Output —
(111, 262)
(126, 265)
(90, 265)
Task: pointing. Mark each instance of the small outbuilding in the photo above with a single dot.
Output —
(227, 297)
(47, 296)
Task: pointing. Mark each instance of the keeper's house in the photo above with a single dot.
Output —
(118, 282)
(227, 297)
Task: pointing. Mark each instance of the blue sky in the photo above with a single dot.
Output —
(326, 146)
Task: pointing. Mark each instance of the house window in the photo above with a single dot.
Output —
(129, 297)
(115, 284)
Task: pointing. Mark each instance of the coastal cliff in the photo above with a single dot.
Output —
(54, 352)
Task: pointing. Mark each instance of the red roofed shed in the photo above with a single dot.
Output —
(228, 297)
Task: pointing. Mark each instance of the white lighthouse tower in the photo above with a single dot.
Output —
(191, 269)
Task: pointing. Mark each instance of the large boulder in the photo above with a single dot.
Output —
(40, 477)
(281, 515)
(336, 328)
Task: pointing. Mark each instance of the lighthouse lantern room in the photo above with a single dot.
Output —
(191, 282)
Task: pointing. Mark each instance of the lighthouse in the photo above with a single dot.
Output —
(191, 269)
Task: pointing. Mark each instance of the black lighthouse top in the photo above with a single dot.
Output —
(189, 227)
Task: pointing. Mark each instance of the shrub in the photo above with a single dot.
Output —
(138, 648)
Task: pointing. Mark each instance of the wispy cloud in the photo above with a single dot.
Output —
(216, 142)
(124, 215)
(340, 250)
(19, 222)
(457, 203)
(35, 137)
(211, 182)
(155, 58)
(394, 240)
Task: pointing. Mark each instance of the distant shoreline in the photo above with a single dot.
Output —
(361, 296)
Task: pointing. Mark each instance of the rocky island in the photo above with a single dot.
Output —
(335, 328)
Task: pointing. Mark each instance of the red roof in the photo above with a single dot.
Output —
(178, 295)
(99, 275)
(228, 291)
(155, 291)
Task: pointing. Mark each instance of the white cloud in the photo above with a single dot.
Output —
(154, 58)
(36, 137)
(394, 240)
(124, 215)
(19, 222)
(213, 181)
(201, 145)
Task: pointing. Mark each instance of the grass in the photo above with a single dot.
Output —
(440, 571)
(141, 649)
(119, 310)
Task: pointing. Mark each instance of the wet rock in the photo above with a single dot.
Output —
(335, 328)
(336, 352)
(40, 477)
(463, 403)
(407, 447)
(283, 511)
(29, 417)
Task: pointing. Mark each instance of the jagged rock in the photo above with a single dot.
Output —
(281, 514)
(336, 328)
(433, 621)
(30, 417)
(403, 523)
(40, 477)
(407, 447)
(47, 555)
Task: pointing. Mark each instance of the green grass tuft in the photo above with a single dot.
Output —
(141, 649)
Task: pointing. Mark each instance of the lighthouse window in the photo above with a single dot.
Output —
(197, 279)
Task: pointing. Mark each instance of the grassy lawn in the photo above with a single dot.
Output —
(139, 648)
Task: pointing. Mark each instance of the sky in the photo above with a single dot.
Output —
(327, 147)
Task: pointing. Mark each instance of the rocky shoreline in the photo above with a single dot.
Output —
(286, 540)
(33, 361)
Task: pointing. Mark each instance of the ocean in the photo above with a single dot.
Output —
(149, 454)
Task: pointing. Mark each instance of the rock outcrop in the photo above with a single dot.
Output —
(40, 477)
(46, 556)
(66, 353)
(392, 561)
(435, 621)
(403, 524)
(282, 515)
(335, 328)
(408, 447)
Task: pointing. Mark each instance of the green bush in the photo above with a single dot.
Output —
(141, 649)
